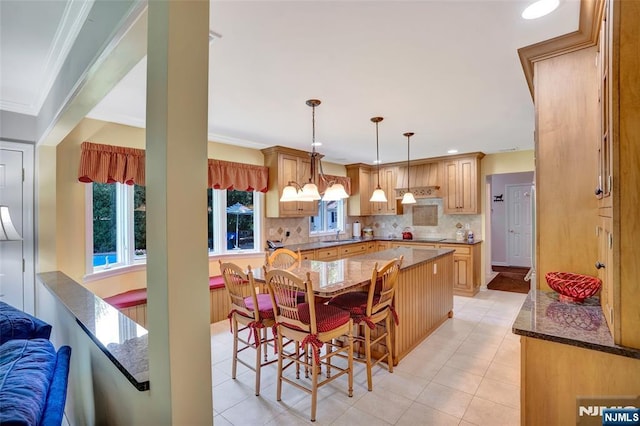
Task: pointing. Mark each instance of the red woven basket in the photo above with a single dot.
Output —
(573, 287)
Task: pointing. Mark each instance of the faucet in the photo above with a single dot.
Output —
(337, 234)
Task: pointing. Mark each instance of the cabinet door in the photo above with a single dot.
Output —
(605, 148)
(461, 186)
(451, 202)
(605, 269)
(467, 186)
(461, 268)
(295, 169)
(288, 172)
(389, 187)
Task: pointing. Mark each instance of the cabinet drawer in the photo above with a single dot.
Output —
(353, 249)
(327, 254)
(459, 249)
(308, 255)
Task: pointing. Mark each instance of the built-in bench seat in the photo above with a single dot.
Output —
(133, 303)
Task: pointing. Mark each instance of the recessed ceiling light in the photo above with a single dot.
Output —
(452, 151)
(540, 8)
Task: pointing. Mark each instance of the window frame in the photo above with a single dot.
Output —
(219, 210)
(125, 236)
(341, 222)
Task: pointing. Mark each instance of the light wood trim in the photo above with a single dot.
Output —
(586, 36)
(136, 313)
(327, 254)
(554, 374)
(626, 220)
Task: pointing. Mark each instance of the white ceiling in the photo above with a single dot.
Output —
(446, 70)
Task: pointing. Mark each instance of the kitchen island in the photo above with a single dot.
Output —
(424, 293)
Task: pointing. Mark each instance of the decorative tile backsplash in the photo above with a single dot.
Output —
(383, 226)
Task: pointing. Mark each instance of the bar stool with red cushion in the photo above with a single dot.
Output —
(241, 289)
(368, 309)
(308, 324)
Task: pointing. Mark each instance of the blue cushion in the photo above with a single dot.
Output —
(26, 372)
(16, 324)
(54, 410)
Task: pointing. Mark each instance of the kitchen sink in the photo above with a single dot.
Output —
(345, 240)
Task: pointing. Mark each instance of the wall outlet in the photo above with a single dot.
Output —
(287, 234)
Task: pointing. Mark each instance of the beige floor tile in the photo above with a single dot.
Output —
(445, 399)
(386, 406)
(219, 420)
(503, 373)
(468, 363)
(485, 350)
(329, 408)
(356, 417)
(500, 392)
(403, 384)
(458, 379)
(419, 414)
(286, 418)
(252, 411)
(482, 412)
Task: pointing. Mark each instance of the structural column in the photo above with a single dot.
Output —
(176, 175)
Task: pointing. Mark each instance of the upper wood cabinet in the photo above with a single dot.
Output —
(363, 179)
(604, 185)
(461, 185)
(286, 165)
(388, 184)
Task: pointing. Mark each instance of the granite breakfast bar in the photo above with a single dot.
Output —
(424, 293)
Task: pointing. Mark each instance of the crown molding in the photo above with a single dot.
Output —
(586, 36)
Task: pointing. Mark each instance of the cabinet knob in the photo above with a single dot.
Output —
(599, 265)
(598, 191)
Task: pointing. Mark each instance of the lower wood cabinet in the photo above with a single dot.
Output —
(466, 268)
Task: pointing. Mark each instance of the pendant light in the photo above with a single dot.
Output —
(309, 192)
(378, 195)
(408, 197)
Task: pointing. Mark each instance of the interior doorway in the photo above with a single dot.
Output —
(17, 273)
(503, 253)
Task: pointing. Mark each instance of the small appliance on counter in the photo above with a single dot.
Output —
(407, 234)
(367, 232)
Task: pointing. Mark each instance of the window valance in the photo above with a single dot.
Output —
(344, 180)
(238, 176)
(111, 164)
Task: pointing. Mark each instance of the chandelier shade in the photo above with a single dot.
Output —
(378, 195)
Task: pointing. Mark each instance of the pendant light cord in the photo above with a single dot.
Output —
(377, 156)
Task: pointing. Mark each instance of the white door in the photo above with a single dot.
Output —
(11, 194)
(519, 225)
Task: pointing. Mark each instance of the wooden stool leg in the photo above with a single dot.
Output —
(258, 364)
(280, 357)
(234, 363)
(388, 340)
(367, 353)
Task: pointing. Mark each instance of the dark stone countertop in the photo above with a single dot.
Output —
(324, 244)
(544, 316)
(128, 351)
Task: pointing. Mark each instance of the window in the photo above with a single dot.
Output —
(330, 218)
(118, 215)
(117, 225)
(233, 220)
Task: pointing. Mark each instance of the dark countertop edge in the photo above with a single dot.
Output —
(319, 244)
(141, 386)
(615, 350)
(580, 343)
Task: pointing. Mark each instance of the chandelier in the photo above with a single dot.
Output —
(309, 192)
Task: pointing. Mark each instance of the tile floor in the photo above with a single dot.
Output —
(466, 373)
